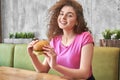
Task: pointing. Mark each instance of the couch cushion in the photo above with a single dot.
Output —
(21, 57)
(105, 63)
(6, 54)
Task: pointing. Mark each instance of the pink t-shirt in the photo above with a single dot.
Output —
(69, 56)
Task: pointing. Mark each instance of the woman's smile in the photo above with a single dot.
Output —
(63, 22)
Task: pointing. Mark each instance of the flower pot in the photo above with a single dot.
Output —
(17, 41)
(110, 42)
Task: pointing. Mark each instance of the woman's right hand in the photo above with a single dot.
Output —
(38, 66)
(30, 46)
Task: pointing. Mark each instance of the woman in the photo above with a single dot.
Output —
(71, 45)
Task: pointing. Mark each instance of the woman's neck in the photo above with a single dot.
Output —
(67, 38)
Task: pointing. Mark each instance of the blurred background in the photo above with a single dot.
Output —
(31, 16)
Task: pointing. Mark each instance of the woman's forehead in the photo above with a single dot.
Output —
(68, 9)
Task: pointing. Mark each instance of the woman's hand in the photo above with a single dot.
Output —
(50, 55)
(30, 46)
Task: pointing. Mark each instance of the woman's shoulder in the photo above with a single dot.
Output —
(55, 41)
(56, 38)
(85, 37)
(85, 34)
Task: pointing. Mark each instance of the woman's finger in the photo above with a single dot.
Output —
(33, 42)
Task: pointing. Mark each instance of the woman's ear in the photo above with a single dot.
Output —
(76, 23)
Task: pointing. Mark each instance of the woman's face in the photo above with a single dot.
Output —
(67, 18)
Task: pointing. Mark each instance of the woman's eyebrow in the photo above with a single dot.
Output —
(68, 12)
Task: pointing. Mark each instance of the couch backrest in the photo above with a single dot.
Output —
(6, 54)
(21, 57)
(105, 63)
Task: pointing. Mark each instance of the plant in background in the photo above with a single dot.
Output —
(117, 34)
(30, 35)
(111, 34)
(11, 35)
(107, 34)
(23, 35)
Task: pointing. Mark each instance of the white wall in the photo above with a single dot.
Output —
(30, 15)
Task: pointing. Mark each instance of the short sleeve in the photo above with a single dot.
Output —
(87, 38)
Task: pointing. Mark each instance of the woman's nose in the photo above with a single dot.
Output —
(64, 16)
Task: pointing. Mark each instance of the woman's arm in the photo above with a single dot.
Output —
(39, 67)
(85, 65)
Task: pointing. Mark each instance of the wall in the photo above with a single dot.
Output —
(30, 15)
(105, 15)
(24, 16)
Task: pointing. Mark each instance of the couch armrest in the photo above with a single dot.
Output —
(105, 63)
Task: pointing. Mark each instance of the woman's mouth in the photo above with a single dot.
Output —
(63, 22)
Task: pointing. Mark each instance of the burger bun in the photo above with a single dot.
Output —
(38, 47)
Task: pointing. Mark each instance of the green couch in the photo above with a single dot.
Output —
(105, 60)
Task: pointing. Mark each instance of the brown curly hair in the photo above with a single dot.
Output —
(53, 28)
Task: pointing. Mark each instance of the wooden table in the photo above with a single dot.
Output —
(8, 73)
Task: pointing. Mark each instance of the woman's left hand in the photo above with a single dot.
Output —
(50, 55)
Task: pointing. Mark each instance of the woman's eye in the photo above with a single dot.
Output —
(69, 15)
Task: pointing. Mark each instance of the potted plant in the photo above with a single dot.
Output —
(20, 37)
(111, 38)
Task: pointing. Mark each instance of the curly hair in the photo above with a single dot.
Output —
(53, 28)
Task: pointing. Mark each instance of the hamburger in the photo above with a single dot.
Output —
(37, 48)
